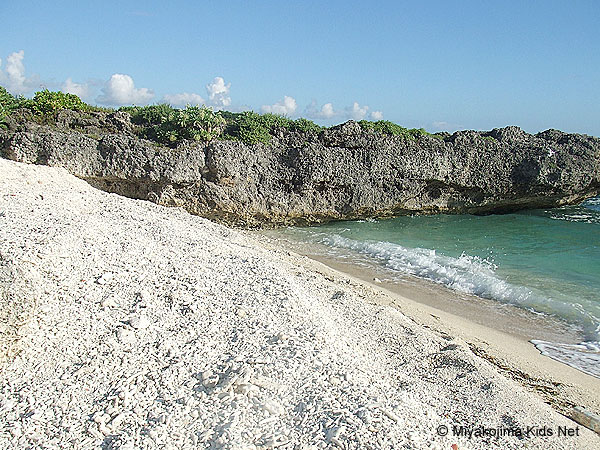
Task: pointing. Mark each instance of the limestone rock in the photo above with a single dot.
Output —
(345, 172)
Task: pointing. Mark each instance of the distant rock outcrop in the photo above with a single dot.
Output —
(345, 172)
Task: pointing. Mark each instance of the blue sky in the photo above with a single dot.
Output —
(441, 65)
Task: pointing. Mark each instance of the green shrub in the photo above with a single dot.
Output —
(382, 126)
(275, 122)
(248, 127)
(150, 115)
(7, 104)
(392, 129)
(96, 108)
(418, 132)
(167, 125)
(199, 123)
(306, 126)
(43, 105)
(47, 102)
(7, 100)
(251, 128)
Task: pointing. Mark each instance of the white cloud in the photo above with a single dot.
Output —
(121, 90)
(328, 112)
(184, 99)
(357, 112)
(218, 96)
(286, 107)
(218, 92)
(15, 69)
(376, 115)
(81, 90)
(13, 77)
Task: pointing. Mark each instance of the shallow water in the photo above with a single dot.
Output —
(546, 261)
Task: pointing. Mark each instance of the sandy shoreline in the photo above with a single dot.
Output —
(499, 333)
(134, 326)
(507, 318)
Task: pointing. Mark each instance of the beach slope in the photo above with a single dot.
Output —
(130, 325)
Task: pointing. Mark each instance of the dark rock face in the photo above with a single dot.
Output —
(343, 173)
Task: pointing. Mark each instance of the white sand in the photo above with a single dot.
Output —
(137, 326)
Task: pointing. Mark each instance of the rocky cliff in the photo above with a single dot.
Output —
(344, 172)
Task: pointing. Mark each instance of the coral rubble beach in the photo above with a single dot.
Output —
(129, 325)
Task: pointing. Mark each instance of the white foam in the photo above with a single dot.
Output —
(571, 217)
(587, 212)
(476, 276)
(468, 274)
(584, 356)
(592, 201)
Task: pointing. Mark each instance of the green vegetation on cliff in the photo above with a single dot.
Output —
(170, 126)
(46, 102)
(392, 129)
(251, 128)
(43, 106)
(8, 103)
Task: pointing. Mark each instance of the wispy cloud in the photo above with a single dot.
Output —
(285, 107)
(120, 90)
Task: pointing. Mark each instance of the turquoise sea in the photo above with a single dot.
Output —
(546, 261)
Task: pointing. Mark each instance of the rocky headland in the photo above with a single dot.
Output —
(343, 172)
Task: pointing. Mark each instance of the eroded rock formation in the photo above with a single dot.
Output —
(344, 172)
